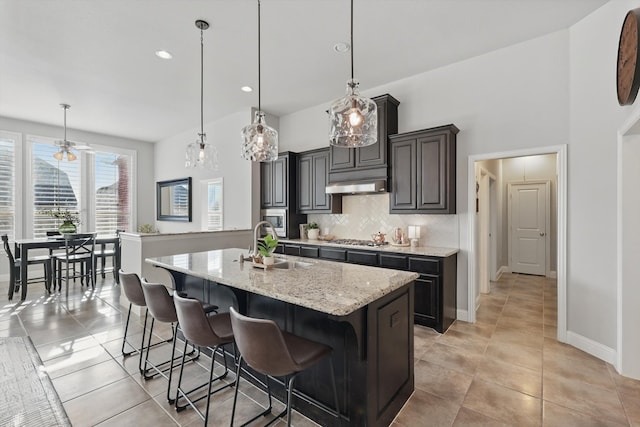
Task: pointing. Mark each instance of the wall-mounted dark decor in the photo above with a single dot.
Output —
(173, 200)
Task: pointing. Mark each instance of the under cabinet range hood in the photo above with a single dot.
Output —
(365, 187)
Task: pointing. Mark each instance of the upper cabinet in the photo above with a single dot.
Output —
(313, 174)
(423, 171)
(353, 164)
(277, 181)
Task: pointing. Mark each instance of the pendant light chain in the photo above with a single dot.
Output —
(201, 87)
(259, 98)
(352, 40)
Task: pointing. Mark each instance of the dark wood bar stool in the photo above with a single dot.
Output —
(160, 305)
(211, 332)
(273, 352)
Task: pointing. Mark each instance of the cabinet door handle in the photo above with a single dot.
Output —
(542, 234)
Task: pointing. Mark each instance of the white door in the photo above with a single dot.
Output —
(529, 211)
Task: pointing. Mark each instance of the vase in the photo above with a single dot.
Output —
(67, 227)
(268, 260)
(313, 233)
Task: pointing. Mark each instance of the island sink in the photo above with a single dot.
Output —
(284, 264)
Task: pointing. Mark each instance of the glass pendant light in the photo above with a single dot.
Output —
(199, 153)
(259, 141)
(353, 120)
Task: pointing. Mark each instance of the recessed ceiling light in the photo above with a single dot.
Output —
(163, 54)
(341, 47)
(246, 89)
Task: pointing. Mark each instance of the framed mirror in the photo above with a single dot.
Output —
(173, 200)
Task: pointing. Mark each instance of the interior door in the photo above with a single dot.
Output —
(529, 210)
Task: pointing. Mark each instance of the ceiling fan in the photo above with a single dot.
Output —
(66, 145)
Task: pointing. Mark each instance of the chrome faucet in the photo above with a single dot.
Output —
(255, 251)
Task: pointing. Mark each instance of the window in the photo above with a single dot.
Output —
(112, 187)
(8, 149)
(213, 215)
(54, 184)
(98, 186)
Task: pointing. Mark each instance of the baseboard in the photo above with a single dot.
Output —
(594, 348)
(462, 315)
(553, 274)
(501, 270)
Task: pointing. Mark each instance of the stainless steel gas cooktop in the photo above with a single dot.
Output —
(357, 242)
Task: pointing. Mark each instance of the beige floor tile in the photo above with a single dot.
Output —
(631, 405)
(515, 377)
(468, 342)
(442, 382)
(588, 371)
(81, 382)
(454, 358)
(146, 414)
(76, 360)
(503, 404)
(516, 354)
(517, 337)
(468, 418)
(424, 409)
(479, 329)
(584, 398)
(558, 416)
(112, 400)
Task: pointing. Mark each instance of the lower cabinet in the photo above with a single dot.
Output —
(435, 289)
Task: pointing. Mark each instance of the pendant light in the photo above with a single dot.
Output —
(259, 141)
(199, 153)
(353, 120)
(65, 145)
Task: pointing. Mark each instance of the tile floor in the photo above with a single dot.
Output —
(505, 370)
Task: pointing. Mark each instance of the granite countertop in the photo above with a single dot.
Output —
(330, 287)
(420, 250)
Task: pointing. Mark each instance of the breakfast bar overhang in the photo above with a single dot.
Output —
(364, 313)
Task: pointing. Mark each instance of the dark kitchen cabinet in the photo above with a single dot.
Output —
(353, 164)
(277, 181)
(313, 174)
(435, 303)
(423, 171)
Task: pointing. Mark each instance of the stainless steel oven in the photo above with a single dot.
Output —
(277, 217)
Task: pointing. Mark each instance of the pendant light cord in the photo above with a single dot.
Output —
(352, 40)
(259, 98)
(65, 124)
(201, 88)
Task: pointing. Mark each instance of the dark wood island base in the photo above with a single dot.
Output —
(372, 350)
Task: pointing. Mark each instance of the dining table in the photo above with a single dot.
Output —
(23, 246)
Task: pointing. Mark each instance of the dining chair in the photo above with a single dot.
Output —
(14, 271)
(103, 253)
(78, 249)
(273, 352)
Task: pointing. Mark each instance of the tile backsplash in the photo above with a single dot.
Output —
(364, 215)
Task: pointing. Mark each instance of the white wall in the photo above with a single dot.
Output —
(511, 98)
(236, 172)
(595, 118)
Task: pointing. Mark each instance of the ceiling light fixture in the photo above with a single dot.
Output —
(353, 120)
(259, 141)
(66, 145)
(163, 54)
(246, 89)
(199, 153)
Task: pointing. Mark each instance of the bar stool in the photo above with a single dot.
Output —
(211, 332)
(132, 288)
(272, 352)
(160, 305)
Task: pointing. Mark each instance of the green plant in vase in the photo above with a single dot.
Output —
(70, 219)
(313, 231)
(266, 248)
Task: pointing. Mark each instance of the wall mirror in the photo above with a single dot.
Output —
(173, 200)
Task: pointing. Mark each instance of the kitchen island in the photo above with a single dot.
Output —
(364, 313)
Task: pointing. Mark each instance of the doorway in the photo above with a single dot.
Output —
(502, 165)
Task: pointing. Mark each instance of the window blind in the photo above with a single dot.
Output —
(113, 185)
(214, 205)
(7, 185)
